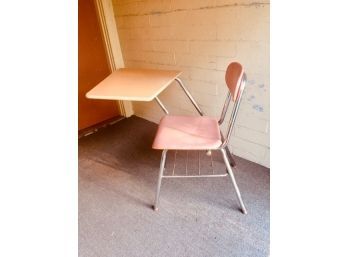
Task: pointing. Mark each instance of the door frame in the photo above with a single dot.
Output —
(105, 13)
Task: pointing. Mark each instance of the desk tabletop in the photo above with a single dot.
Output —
(133, 84)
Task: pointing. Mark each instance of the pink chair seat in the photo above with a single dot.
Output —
(187, 133)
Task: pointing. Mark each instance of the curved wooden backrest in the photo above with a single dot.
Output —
(233, 77)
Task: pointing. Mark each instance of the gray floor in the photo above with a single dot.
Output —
(197, 217)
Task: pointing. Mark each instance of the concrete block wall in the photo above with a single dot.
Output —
(201, 37)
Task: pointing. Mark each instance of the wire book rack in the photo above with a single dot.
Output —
(192, 164)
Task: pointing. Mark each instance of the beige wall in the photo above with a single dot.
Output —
(200, 37)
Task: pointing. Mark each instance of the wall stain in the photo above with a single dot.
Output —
(250, 98)
(251, 82)
(258, 107)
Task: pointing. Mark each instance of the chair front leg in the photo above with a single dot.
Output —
(229, 170)
(163, 162)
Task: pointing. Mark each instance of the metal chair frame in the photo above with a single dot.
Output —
(226, 154)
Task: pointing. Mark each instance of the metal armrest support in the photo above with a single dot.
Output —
(161, 105)
(189, 96)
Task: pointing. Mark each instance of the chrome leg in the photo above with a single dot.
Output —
(161, 105)
(232, 161)
(229, 169)
(229, 155)
(188, 94)
(163, 161)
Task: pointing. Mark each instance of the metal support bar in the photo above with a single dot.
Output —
(186, 163)
(231, 160)
(199, 162)
(161, 105)
(224, 109)
(234, 111)
(185, 170)
(229, 154)
(229, 169)
(160, 175)
(212, 163)
(196, 176)
(189, 96)
(174, 163)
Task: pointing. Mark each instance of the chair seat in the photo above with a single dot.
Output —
(187, 133)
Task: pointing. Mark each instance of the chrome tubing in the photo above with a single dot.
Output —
(160, 175)
(229, 169)
(224, 109)
(189, 96)
(229, 154)
(234, 113)
(196, 176)
(161, 105)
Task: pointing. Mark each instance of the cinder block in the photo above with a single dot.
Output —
(155, 6)
(254, 56)
(206, 75)
(169, 19)
(139, 33)
(258, 109)
(170, 46)
(243, 23)
(223, 62)
(148, 110)
(181, 17)
(246, 154)
(257, 93)
(135, 64)
(126, 1)
(203, 17)
(124, 34)
(137, 21)
(155, 58)
(192, 4)
(266, 160)
(131, 8)
(241, 2)
(133, 55)
(199, 61)
(203, 87)
(252, 122)
(205, 99)
(211, 111)
(160, 58)
(248, 150)
(227, 16)
(160, 20)
(146, 45)
(132, 44)
(121, 22)
(194, 32)
(159, 33)
(252, 135)
(216, 48)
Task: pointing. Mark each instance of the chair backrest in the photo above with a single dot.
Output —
(233, 77)
(235, 80)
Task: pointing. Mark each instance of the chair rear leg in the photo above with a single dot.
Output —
(163, 161)
(229, 169)
(229, 155)
(232, 161)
